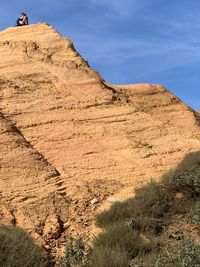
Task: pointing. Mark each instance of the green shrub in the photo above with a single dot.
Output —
(117, 245)
(147, 209)
(186, 254)
(121, 236)
(186, 176)
(145, 260)
(18, 249)
(108, 257)
(152, 200)
(196, 214)
(118, 212)
(74, 253)
(150, 225)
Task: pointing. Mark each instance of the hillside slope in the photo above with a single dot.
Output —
(68, 137)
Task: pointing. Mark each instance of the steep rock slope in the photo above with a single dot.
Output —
(26, 176)
(68, 137)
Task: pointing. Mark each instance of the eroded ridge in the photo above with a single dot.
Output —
(69, 140)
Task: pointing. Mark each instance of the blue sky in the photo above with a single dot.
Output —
(127, 41)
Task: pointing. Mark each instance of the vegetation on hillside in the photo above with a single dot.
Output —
(18, 249)
(159, 226)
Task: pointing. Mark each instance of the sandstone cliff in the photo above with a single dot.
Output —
(68, 137)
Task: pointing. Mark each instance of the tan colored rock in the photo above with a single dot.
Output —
(67, 136)
(52, 228)
(66, 225)
(94, 201)
(38, 239)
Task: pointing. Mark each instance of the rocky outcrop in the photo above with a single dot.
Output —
(68, 137)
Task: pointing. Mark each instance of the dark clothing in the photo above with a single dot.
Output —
(18, 22)
(21, 22)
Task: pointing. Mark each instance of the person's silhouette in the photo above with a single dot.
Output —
(22, 20)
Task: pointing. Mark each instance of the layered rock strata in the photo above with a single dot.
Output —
(68, 137)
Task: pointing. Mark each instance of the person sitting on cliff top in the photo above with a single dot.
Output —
(22, 20)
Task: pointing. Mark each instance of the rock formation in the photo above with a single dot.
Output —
(68, 137)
